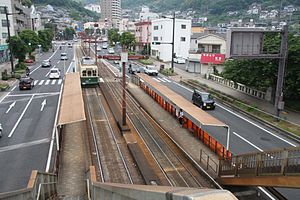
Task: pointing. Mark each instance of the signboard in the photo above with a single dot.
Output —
(124, 57)
(214, 58)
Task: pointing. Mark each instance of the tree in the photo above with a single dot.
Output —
(127, 40)
(113, 36)
(69, 33)
(31, 40)
(45, 38)
(89, 31)
(19, 48)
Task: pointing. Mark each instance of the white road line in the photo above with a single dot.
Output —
(266, 192)
(23, 145)
(290, 143)
(127, 76)
(35, 94)
(21, 116)
(59, 81)
(253, 145)
(58, 62)
(167, 80)
(4, 97)
(13, 88)
(183, 87)
(47, 82)
(35, 82)
(101, 80)
(162, 80)
(156, 79)
(41, 82)
(53, 82)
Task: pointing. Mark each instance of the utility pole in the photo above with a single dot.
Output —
(96, 50)
(173, 38)
(124, 59)
(9, 41)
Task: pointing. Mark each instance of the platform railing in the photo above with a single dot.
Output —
(281, 162)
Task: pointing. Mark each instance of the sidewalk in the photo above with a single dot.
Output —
(260, 104)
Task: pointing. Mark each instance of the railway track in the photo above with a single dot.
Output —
(177, 169)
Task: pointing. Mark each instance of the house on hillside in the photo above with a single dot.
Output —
(207, 53)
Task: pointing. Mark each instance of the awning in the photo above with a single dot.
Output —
(72, 106)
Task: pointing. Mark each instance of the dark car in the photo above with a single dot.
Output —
(26, 83)
(133, 69)
(203, 99)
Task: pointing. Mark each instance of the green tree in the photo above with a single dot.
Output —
(69, 33)
(89, 31)
(30, 38)
(19, 48)
(127, 40)
(45, 38)
(113, 36)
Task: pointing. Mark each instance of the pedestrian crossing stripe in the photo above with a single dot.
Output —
(162, 80)
(48, 82)
(156, 79)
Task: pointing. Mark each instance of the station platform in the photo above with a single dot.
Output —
(181, 136)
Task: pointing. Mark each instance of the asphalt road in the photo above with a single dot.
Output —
(28, 118)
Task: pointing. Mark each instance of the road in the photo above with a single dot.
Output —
(28, 119)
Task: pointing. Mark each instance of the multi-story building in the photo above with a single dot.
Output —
(93, 7)
(146, 15)
(161, 46)
(127, 25)
(143, 35)
(111, 11)
(17, 23)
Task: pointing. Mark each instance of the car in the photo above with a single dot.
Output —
(179, 60)
(54, 73)
(63, 56)
(86, 60)
(70, 45)
(116, 62)
(133, 69)
(111, 51)
(203, 99)
(26, 83)
(98, 48)
(46, 63)
(104, 46)
(75, 40)
(151, 70)
(28, 61)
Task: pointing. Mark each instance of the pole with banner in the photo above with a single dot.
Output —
(124, 60)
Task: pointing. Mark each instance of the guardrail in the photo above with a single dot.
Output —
(40, 186)
(278, 162)
(241, 87)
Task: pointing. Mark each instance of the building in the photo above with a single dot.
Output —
(161, 46)
(143, 36)
(36, 22)
(17, 23)
(127, 25)
(146, 15)
(111, 11)
(93, 7)
(207, 53)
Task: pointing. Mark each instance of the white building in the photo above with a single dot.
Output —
(127, 25)
(36, 22)
(111, 11)
(146, 15)
(161, 46)
(93, 7)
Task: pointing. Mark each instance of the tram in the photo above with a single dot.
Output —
(89, 75)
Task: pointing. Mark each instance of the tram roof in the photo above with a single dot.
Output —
(72, 106)
(196, 114)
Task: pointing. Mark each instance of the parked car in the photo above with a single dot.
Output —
(179, 60)
(203, 99)
(151, 70)
(111, 51)
(54, 73)
(70, 45)
(26, 83)
(133, 69)
(104, 46)
(28, 61)
(46, 63)
(63, 56)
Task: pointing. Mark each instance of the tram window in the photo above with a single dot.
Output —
(84, 73)
(89, 73)
(94, 73)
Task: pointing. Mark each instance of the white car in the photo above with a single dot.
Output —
(151, 70)
(63, 56)
(179, 60)
(54, 73)
(111, 51)
(104, 46)
(46, 63)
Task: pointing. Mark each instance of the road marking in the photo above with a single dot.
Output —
(101, 80)
(183, 87)
(41, 82)
(23, 145)
(162, 80)
(10, 107)
(36, 94)
(13, 88)
(58, 62)
(35, 82)
(17, 123)
(47, 82)
(253, 145)
(167, 80)
(156, 79)
(53, 82)
(59, 81)
(43, 104)
(290, 143)
(266, 192)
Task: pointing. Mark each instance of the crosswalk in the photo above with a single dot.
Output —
(164, 80)
(48, 82)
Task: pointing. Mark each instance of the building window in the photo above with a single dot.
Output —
(160, 38)
(155, 38)
(195, 41)
(182, 39)
(2, 10)
(161, 26)
(209, 48)
(183, 26)
(155, 27)
(4, 23)
(4, 35)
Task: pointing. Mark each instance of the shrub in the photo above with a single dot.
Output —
(20, 66)
(3, 86)
(146, 62)
(17, 76)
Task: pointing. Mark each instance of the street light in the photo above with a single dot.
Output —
(8, 32)
(173, 36)
(228, 136)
